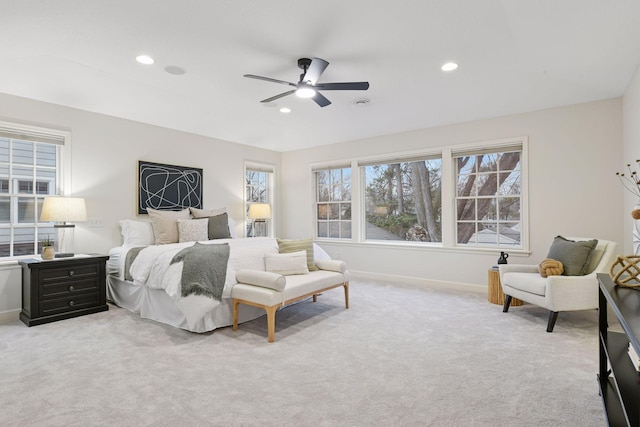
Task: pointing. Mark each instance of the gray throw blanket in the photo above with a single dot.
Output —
(204, 269)
(132, 254)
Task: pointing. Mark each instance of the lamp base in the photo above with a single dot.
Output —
(65, 255)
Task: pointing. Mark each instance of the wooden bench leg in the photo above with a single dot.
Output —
(315, 297)
(271, 322)
(346, 294)
(236, 303)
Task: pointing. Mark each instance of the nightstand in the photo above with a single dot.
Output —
(63, 288)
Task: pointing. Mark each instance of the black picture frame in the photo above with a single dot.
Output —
(168, 187)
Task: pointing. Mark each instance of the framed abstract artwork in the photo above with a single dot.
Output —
(168, 187)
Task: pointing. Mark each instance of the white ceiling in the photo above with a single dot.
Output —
(514, 55)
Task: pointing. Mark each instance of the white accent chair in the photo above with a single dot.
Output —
(557, 293)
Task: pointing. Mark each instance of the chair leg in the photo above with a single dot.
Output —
(507, 303)
(553, 316)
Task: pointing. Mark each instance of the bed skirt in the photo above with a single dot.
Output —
(156, 305)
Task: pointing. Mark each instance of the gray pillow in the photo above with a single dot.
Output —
(219, 227)
(574, 256)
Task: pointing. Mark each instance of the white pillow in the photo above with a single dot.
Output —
(165, 224)
(286, 264)
(203, 213)
(232, 227)
(136, 232)
(193, 230)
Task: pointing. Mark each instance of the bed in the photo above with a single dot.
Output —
(142, 278)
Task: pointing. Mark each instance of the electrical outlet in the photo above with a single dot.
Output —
(96, 222)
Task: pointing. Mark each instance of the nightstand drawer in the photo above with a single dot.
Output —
(70, 303)
(79, 272)
(63, 289)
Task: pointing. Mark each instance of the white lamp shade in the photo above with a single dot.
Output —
(63, 209)
(259, 211)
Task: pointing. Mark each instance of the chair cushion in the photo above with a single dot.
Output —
(574, 256)
(526, 282)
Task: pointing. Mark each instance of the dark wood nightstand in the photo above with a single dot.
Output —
(63, 288)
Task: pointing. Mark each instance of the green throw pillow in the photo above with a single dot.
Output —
(288, 246)
(574, 256)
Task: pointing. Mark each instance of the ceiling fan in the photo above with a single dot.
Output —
(308, 86)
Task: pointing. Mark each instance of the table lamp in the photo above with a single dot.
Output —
(260, 213)
(62, 210)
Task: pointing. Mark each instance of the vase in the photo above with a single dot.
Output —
(636, 230)
(48, 252)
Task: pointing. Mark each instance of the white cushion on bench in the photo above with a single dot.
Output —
(295, 287)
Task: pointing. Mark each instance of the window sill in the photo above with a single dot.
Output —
(425, 246)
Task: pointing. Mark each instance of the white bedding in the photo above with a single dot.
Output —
(152, 271)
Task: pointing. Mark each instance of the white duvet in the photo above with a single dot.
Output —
(152, 268)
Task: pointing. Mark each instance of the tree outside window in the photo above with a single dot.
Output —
(488, 199)
(403, 200)
(333, 203)
(258, 189)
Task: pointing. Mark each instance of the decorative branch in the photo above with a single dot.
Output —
(630, 182)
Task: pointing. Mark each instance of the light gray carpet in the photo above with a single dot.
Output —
(400, 356)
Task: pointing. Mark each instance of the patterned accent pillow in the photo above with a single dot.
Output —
(288, 246)
(193, 230)
(165, 224)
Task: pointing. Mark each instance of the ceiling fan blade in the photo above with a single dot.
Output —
(321, 100)
(267, 79)
(343, 86)
(315, 70)
(273, 98)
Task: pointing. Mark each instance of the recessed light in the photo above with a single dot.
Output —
(175, 70)
(285, 110)
(449, 66)
(144, 59)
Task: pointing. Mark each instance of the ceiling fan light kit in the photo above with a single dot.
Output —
(308, 86)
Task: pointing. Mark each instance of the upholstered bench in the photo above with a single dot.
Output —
(271, 291)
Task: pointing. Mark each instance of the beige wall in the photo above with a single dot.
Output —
(105, 151)
(574, 152)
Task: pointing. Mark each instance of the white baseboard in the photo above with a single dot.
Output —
(427, 283)
(9, 315)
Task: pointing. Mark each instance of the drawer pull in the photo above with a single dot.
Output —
(72, 288)
(71, 303)
(71, 272)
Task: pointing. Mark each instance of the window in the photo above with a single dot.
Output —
(29, 171)
(258, 189)
(403, 200)
(333, 203)
(488, 197)
(470, 196)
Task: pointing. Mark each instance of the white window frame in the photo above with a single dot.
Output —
(332, 166)
(270, 169)
(448, 223)
(507, 145)
(38, 134)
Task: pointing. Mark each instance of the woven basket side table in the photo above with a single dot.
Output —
(495, 294)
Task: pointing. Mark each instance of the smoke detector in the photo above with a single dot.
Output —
(361, 102)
